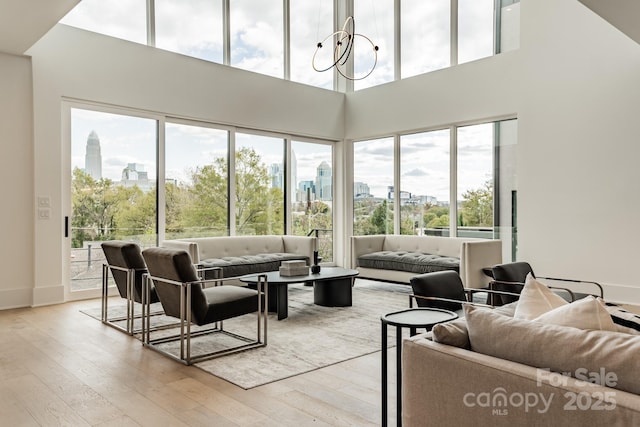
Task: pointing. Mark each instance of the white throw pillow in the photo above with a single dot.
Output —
(585, 313)
(536, 299)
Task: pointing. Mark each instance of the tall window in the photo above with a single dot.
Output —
(196, 181)
(125, 19)
(310, 23)
(312, 194)
(259, 185)
(374, 21)
(113, 188)
(426, 37)
(475, 29)
(257, 36)
(257, 33)
(373, 187)
(190, 27)
(482, 202)
(424, 183)
(475, 180)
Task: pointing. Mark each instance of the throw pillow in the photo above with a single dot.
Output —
(455, 333)
(561, 349)
(452, 333)
(536, 299)
(585, 313)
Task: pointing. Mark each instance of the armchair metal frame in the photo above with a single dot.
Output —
(572, 294)
(130, 316)
(468, 292)
(185, 321)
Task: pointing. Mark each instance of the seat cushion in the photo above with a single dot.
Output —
(248, 264)
(414, 262)
(225, 302)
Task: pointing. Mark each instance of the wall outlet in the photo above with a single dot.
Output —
(44, 213)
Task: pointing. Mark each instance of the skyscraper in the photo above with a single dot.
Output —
(323, 181)
(93, 157)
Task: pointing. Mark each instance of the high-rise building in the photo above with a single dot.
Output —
(361, 189)
(134, 174)
(276, 171)
(93, 157)
(323, 181)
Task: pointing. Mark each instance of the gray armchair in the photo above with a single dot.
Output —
(511, 276)
(124, 260)
(183, 295)
(444, 290)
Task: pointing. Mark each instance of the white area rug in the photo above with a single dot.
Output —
(310, 338)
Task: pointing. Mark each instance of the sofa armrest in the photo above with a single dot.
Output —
(301, 245)
(190, 247)
(445, 385)
(361, 245)
(476, 255)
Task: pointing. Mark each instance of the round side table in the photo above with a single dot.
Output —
(413, 319)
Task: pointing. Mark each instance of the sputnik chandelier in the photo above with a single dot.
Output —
(343, 48)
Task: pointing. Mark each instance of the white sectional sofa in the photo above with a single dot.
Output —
(240, 255)
(397, 258)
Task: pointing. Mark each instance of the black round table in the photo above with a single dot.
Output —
(413, 319)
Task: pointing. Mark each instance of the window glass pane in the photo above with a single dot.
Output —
(125, 19)
(312, 201)
(424, 183)
(311, 22)
(190, 27)
(475, 181)
(196, 189)
(257, 36)
(475, 29)
(425, 36)
(375, 21)
(509, 25)
(259, 194)
(506, 188)
(373, 187)
(113, 188)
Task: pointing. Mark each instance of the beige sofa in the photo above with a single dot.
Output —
(240, 255)
(511, 378)
(397, 258)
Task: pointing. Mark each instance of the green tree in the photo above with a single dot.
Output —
(259, 208)
(136, 213)
(95, 204)
(382, 219)
(477, 206)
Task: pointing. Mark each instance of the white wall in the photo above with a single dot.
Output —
(16, 175)
(574, 85)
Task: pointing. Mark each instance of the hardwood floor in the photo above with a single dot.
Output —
(61, 367)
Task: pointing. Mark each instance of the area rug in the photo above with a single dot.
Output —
(311, 337)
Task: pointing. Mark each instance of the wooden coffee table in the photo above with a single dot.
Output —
(331, 288)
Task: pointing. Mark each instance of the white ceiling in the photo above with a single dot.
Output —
(24, 22)
(622, 14)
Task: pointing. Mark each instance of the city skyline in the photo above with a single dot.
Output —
(128, 140)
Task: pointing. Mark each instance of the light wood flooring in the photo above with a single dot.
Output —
(61, 367)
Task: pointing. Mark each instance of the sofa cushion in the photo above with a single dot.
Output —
(585, 313)
(414, 262)
(600, 355)
(536, 299)
(248, 264)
